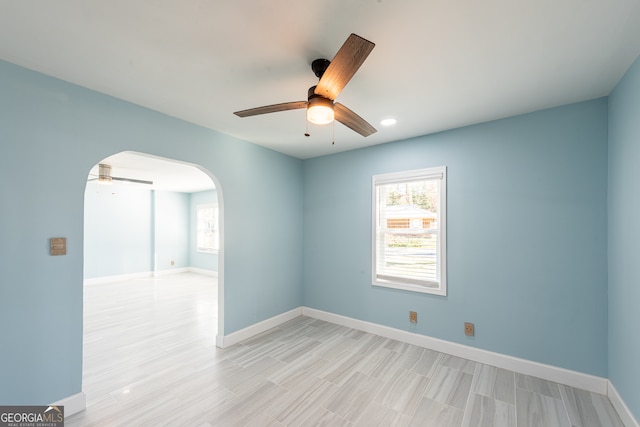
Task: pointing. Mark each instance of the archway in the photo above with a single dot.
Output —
(148, 216)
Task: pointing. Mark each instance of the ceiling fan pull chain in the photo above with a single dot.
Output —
(333, 133)
(306, 122)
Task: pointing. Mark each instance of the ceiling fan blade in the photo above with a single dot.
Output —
(343, 66)
(137, 181)
(272, 108)
(352, 120)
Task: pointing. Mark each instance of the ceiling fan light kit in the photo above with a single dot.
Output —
(333, 75)
(320, 110)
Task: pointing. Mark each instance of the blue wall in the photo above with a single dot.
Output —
(197, 259)
(51, 134)
(526, 250)
(132, 229)
(118, 230)
(171, 224)
(624, 238)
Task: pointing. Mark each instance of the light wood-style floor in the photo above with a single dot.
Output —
(150, 360)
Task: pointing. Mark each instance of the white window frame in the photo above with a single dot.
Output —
(439, 286)
(214, 230)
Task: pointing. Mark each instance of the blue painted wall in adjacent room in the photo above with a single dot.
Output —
(171, 225)
(526, 250)
(624, 238)
(117, 230)
(130, 229)
(52, 133)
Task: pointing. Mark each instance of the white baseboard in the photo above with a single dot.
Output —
(203, 271)
(72, 404)
(179, 270)
(616, 400)
(257, 328)
(522, 366)
(147, 274)
(169, 271)
(117, 278)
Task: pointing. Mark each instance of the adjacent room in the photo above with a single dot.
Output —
(151, 245)
(413, 213)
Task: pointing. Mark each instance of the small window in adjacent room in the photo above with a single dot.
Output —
(409, 230)
(207, 228)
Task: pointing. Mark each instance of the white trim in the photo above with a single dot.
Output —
(220, 340)
(522, 366)
(72, 404)
(177, 270)
(202, 271)
(117, 278)
(623, 410)
(220, 331)
(147, 274)
(407, 286)
(257, 328)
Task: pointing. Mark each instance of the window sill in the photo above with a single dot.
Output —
(439, 290)
(207, 252)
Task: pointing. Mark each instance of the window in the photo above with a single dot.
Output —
(207, 228)
(409, 225)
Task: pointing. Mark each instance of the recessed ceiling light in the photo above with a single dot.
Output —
(388, 122)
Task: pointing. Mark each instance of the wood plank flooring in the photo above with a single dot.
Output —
(150, 360)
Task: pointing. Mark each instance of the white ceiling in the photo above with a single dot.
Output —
(437, 65)
(166, 174)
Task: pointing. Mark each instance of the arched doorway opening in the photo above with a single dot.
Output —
(153, 274)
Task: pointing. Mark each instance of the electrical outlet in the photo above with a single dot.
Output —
(413, 316)
(469, 329)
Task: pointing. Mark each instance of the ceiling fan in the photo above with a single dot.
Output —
(104, 176)
(334, 76)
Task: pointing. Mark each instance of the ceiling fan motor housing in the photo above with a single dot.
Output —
(319, 66)
(311, 94)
